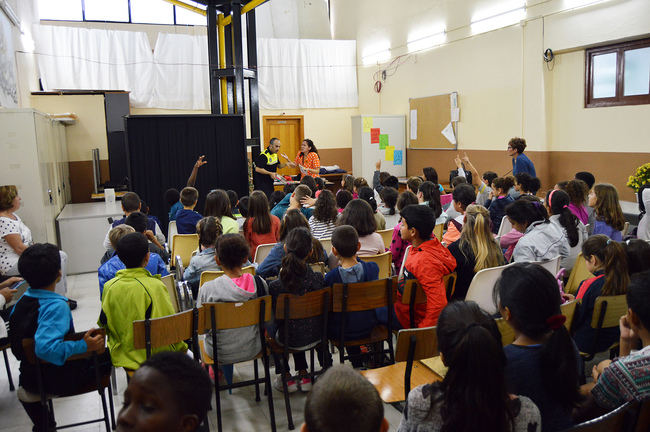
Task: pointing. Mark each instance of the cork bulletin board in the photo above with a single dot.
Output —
(433, 122)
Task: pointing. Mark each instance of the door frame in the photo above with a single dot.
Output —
(265, 128)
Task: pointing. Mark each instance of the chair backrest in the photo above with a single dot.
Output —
(569, 311)
(170, 284)
(438, 231)
(507, 332)
(552, 265)
(262, 252)
(327, 244)
(412, 287)
(482, 285)
(426, 343)
(400, 274)
(386, 235)
(578, 274)
(234, 315)
(505, 227)
(608, 311)
(318, 267)
(164, 331)
(361, 296)
(171, 232)
(29, 349)
(309, 305)
(614, 421)
(209, 275)
(184, 245)
(383, 260)
(449, 281)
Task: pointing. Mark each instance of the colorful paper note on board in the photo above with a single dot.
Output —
(390, 151)
(374, 135)
(383, 141)
(367, 124)
(397, 157)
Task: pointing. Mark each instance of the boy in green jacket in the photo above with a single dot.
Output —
(133, 295)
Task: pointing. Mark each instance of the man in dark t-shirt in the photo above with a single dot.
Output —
(266, 166)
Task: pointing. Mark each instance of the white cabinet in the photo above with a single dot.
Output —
(34, 158)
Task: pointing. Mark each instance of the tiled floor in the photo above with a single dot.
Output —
(240, 412)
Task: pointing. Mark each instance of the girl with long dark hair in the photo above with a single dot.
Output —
(558, 206)
(260, 227)
(469, 399)
(296, 277)
(217, 204)
(542, 362)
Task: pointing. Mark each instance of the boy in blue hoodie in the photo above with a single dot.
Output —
(43, 315)
(359, 325)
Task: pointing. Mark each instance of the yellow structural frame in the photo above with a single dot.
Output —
(222, 22)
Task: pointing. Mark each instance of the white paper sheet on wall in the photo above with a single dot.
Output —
(414, 124)
(453, 99)
(455, 114)
(448, 132)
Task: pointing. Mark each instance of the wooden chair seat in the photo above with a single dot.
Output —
(389, 380)
(379, 333)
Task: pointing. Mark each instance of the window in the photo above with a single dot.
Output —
(618, 74)
(128, 11)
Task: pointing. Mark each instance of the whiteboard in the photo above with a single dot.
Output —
(366, 151)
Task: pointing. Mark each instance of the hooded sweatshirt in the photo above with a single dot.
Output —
(234, 345)
(427, 263)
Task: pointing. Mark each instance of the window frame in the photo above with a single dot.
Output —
(619, 99)
(130, 21)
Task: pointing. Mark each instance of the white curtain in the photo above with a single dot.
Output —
(78, 58)
(307, 73)
(292, 73)
(181, 72)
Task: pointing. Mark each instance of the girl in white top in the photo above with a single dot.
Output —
(557, 204)
(15, 237)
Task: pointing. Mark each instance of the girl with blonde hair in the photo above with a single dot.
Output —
(475, 250)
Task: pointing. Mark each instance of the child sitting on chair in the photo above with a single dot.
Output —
(234, 345)
(345, 245)
(107, 271)
(209, 230)
(133, 295)
(187, 218)
(43, 315)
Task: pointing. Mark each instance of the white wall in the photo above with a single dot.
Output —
(505, 88)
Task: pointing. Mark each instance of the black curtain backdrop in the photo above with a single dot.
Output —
(162, 150)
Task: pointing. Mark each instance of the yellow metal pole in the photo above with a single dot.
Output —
(186, 6)
(222, 63)
(246, 8)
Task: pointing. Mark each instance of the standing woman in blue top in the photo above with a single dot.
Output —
(610, 221)
(520, 162)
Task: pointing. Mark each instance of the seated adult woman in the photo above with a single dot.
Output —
(475, 250)
(15, 237)
(541, 240)
(470, 345)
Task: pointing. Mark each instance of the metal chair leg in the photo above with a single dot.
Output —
(9, 377)
(257, 384)
(112, 408)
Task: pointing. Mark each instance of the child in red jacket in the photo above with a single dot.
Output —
(428, 262)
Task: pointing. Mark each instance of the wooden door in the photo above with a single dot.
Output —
(290, 131)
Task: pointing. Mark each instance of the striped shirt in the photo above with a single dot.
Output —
(321, 230)
(626, 379)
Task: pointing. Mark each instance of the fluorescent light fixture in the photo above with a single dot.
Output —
(570, 4)
(426, 42)
(376, 54)
(491, 19)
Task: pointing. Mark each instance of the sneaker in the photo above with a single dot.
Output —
(292, 385)
(304, 383)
